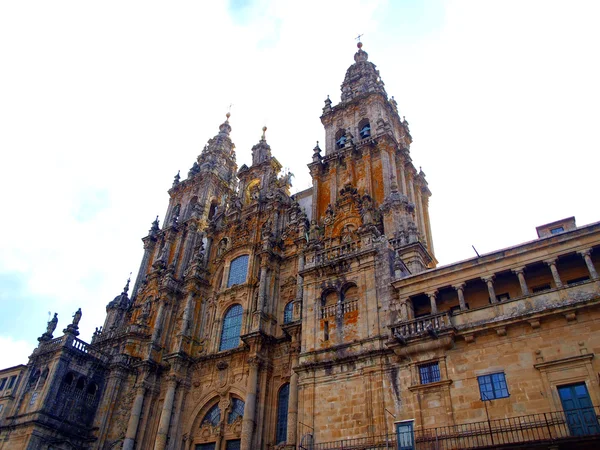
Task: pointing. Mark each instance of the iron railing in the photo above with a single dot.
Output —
(551, 427)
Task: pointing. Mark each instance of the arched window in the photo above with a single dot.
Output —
(92, 389)
(238, 271)
(364, 128)
(288, 312)
(340, 139)
(329, 298)
(212, 210)
(237, 410)
(232, 326)
(80, 383)
(212, 417)
(350, 293)
(282, 413)
(69, 378)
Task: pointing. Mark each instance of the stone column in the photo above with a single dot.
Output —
(403, 178)
(187, 315)
(148, 249)
(586, 254)
(262, 288)
(292, 418)
(300, 279)
(250, 406)
(433, 302)
(404, 310)
(134, 418)
(421, 214)
(207, 249)
(411, 191)
(490, 285)
(521, 276)
(460, 290)
(158, 323)
(165, 415)
(552, 264)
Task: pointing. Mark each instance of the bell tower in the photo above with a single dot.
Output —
(367, 148)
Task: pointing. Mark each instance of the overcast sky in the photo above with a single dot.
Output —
(102, 102)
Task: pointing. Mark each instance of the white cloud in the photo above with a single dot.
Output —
(14, 352)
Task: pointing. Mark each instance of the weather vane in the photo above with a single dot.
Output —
(358, 37)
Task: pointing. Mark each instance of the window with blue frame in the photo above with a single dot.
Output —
(288, 312)
(493, 386)
(232, 326)
(237, 410)
(238, 270)
(282, 413)
(429, 373)
(212, 417)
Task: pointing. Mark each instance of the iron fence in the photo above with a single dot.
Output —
(569, 425)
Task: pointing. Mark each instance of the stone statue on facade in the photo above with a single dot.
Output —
(48, 335)
(73, 327)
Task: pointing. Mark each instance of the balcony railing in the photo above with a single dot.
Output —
(428, 324)
(339, 309)
(333, 253)
(577, 425)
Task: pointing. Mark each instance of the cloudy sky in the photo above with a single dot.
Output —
(102, 102)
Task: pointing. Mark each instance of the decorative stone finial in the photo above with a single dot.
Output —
(176, 179)
(154, 228)
(264, 138)
(126, 288)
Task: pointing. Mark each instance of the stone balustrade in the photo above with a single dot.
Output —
(428, 324)
(339, 309)
(330, 254)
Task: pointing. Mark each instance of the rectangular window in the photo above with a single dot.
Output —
(429, 373)
(455, 309)
(493, 386)
(11, 382)
(557, 230)
(578, 280)
(502, 297)
(210, 446)
(233, 445)
(542, 288)
(326, 330)
(2, 383)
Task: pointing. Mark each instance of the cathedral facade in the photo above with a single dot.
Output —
(264, 320)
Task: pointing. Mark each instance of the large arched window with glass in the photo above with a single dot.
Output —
(282, 413)
(212, 417)
(232, 326)
(238, 270)
(237, 410)
(288, 312)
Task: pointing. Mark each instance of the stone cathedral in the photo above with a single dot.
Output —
(264, 320)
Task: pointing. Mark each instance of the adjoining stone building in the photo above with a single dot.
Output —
(264, 320)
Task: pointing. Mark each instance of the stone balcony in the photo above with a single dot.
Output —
(440, 329)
